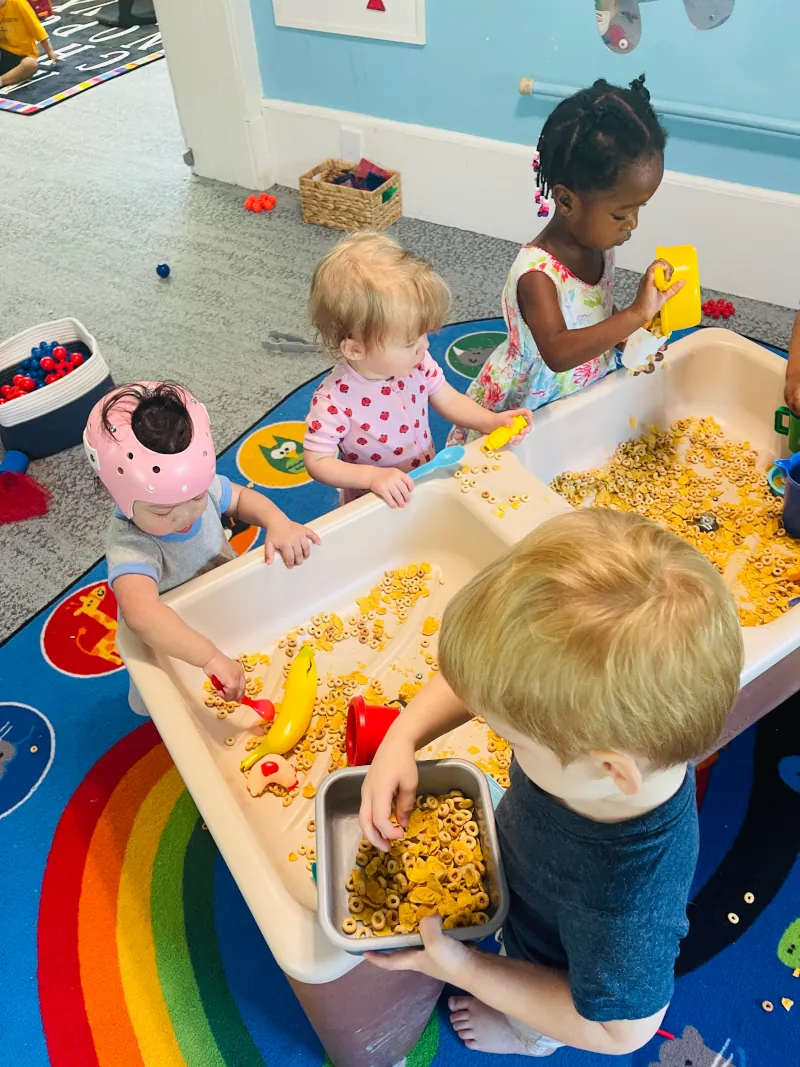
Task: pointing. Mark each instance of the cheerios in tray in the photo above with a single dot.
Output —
(437, 867)
(711, 491)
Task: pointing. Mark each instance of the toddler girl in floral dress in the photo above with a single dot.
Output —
(601, 159)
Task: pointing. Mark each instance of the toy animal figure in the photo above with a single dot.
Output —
(271, 770)
(106, 646)
(691, 1051)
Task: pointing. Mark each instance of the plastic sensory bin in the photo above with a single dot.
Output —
(455, 524)
(52, 418)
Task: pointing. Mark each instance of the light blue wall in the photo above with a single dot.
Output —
(466, 77)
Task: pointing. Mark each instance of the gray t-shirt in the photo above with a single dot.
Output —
(604, 901)
(175, 558)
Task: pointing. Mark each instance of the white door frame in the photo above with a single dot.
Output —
(213, 65)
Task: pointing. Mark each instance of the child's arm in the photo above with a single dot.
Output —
(390, 484)
(536, 996)
(792, 391)
(289, 539)
(434, 711)
(563, 349)
(51, 55)
(165, 631)
(462, 410)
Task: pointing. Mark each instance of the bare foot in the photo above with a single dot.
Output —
(483, 1029)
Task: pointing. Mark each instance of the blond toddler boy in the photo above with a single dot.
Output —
(610, 670)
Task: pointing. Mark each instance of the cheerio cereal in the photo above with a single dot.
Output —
(435, 868)
(711, 492)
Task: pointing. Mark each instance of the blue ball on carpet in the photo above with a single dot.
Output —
(162, 270)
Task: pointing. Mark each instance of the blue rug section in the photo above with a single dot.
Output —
(750, 821)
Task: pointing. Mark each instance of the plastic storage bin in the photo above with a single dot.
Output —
(51, 419)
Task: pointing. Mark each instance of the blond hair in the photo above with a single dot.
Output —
(370, 289)
(601, 630)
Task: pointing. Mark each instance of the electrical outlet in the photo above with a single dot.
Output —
(352, 144)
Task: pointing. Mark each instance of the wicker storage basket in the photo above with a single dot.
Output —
(343, 208)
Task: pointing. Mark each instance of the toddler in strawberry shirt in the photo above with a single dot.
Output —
(373, 304)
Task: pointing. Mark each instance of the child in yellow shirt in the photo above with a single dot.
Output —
(21, 33)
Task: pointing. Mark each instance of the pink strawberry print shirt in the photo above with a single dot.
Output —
(379, 423)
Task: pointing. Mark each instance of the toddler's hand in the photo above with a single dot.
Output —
(649, 299)
(229, 672)
(506, 418)
(291, 540)
(791, 395)
(392, 485)
(393, 774)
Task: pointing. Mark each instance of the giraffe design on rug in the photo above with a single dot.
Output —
(106, 647)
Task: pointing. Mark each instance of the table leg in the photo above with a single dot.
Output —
(369, 1018)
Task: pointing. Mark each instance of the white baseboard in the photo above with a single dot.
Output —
(748, 239)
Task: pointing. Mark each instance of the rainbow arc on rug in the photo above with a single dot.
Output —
(123, 977)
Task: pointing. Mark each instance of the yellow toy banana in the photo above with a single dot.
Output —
(293, 714)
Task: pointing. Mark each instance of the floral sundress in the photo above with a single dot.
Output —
(515, 375)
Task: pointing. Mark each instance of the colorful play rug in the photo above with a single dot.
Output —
(125, 941)
(91, 54)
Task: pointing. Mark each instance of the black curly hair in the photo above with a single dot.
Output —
(160, 420)
(594, 134)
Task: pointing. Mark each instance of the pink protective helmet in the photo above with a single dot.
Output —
(131, 472)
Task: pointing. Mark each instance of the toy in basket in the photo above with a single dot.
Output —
(48, 387)
(351, 196)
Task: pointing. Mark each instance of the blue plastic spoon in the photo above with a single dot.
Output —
(448, 457)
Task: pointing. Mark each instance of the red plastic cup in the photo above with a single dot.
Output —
(367, 725)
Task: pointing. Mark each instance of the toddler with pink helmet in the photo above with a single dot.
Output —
(150, 445)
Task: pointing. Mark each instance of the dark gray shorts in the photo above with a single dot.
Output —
(8, 60)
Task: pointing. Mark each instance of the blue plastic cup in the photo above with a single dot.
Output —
(791, 504)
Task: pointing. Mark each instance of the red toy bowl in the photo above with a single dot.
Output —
(367, 725)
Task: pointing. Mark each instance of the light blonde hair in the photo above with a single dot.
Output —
(370, 289)
(601, 630)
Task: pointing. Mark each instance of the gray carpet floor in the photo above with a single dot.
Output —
(95, 194)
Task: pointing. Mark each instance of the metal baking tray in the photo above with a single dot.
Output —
(338, 836)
